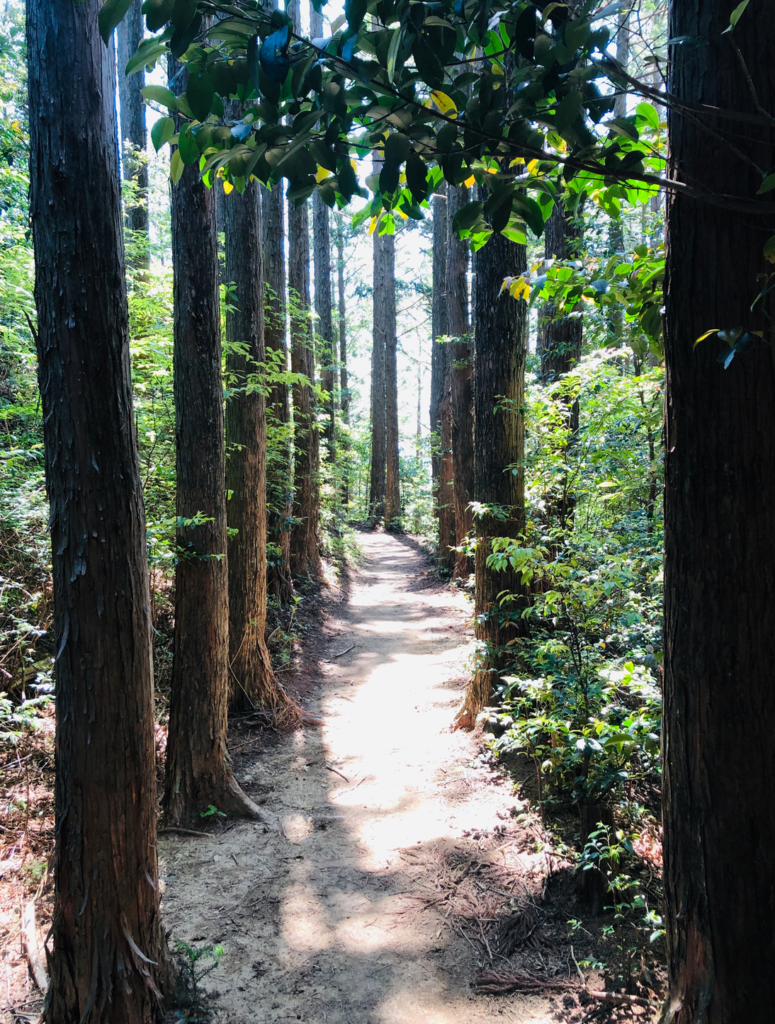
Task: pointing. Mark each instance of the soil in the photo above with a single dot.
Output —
(402, 876)
(365, 899)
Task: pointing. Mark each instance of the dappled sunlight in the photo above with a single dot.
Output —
(335, 926)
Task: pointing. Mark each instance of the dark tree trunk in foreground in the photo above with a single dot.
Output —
(378, 478)
(499, 443)
(385, 284)
(719, 711)
(278, 402)
(251, 679)
(109, 957)
(198, 767)
(129, 35)
(440, 409)
(305, 555)
(461, 383)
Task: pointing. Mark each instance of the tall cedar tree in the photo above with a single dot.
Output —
(344, 385)
(719, 701)
(378, 474)
(559, 348)
(278, 401)
(385, 285)
(500, 343)
(251, 679)
(109, 956)
(440, 402)
(199, 770)
(129, 35)
(305, 551)
(461, 383)
(321, 244)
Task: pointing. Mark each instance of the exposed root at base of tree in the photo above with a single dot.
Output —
(476, 699)
(498, 983)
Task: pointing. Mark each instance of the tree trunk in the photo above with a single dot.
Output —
(378, 479)
(500, 344)
(344, 386)
(719, 710)
(461, 383)
(325, 323)
(441, 428)
(129, 35)
(251, 679)
(305, 556)
(109, 955)
(278, 402)
(560, 336)
(385, 283)
(198, 767)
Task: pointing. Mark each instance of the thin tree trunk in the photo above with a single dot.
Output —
(440, 412)
(378, 480)
(109, 959)
(560, 350)
(499, 443)
(199, 770)
(344, 386)
(386, 245)
(251, 679)
(323, 305)
(461, 383)
(129, 35)
(278, 402)
(719, 710)
(305, 556)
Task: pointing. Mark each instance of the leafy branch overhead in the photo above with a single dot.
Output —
(515, 98)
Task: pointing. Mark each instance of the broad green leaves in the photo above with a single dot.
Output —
(111, 14)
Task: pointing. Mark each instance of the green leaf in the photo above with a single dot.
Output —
(735, 16)
(199, 93)
(769, 249)
(148, 52)
(111, 13)
(767, 185)
(577, 33)
(160, 94)
(648, 114)
(162, 132)
(531, 212)
(467, 216)
(183, 13)
(417, 176)
(392, 54)
(189, 151)
(157, 13)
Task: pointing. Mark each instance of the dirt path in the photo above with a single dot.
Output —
(349, 911)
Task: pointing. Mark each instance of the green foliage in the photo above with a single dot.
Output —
(194, 969)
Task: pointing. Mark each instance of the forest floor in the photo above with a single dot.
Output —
(393, 874)
(402, 876)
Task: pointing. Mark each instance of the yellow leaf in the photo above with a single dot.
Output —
(176, 167)
(519, 289)
(517, 161)
(322, 174)
(353, 165)
(707, 334)
(373, 224)
(531, 167)
(443, 103)
(402, 214)
(470, 181)
(227, 186)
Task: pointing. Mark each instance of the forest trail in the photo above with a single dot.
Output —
(352, 909)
